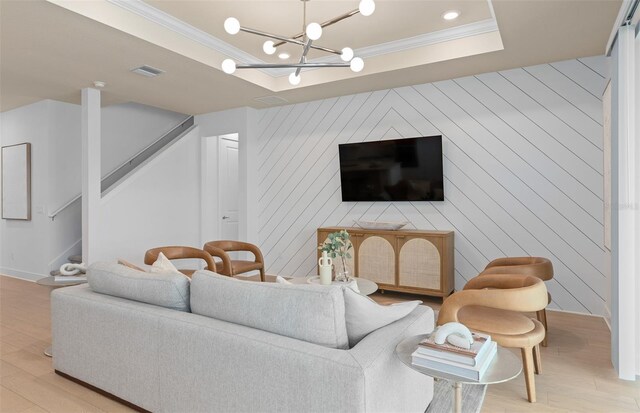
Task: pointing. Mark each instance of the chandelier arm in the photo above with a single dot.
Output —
(289, 65)
(325, 24)
(287, 40)
(272, 36)
(303, 58)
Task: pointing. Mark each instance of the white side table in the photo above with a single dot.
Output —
(504, 367)
(51, 282)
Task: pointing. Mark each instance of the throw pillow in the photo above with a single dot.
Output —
(163, 266)
(282, 280)
(363, 315)
(130, 265)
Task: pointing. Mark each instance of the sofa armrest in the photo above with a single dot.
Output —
(376, 354)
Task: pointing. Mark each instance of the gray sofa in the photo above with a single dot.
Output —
(165, 360)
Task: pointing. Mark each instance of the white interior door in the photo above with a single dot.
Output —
(228, 187)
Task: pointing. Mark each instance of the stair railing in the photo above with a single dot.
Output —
(136, 160)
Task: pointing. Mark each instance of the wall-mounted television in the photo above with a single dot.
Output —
(408, 169)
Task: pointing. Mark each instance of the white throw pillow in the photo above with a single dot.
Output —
(164, 266)
(363, 315)
(282, 280)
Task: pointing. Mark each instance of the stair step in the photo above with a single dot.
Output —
(75, 259)
(55, 273)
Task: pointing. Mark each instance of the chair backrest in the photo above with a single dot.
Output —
(516, 292)
(536, 266)
(179, 252)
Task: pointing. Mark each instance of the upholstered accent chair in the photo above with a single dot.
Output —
(231, 267)
(178, 253)
(537, 266)
(493, 304)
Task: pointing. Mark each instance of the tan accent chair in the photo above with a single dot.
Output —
(493, 304)
(179, 253)
(536, 266)
(231, 267)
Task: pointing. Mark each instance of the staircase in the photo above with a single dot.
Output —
(121, 173)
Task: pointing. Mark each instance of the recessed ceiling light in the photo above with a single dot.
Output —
(284, 56)
(451, 15)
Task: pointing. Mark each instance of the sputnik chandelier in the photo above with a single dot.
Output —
(310, 33)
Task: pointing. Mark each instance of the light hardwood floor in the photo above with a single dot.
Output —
(576, 371)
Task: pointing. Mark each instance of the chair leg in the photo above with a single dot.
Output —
(527, 362)
(262, 274)
(542, 317)
(537, 359)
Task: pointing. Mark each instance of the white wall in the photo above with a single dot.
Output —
(130, 127)
(523, 167)
(24, 243)
(159, 204)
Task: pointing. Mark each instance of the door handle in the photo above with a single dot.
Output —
(225, 217)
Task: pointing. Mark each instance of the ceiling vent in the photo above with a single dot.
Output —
(272, 100)
(147, 71)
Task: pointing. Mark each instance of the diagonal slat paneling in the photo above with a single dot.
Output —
(522, 165)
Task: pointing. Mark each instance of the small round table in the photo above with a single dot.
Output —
(51, 282)
(504, 367)
(365, 286)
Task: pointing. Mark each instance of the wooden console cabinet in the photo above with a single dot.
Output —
(412, 261)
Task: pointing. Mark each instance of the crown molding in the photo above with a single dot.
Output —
(174, 24)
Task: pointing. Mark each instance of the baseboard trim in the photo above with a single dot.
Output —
(102, 392)
(576, 312)
(22, 275)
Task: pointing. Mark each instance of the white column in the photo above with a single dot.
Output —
(627, 210)
(90, 171)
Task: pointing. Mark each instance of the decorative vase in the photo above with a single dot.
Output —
(326, 265)
(343, 272)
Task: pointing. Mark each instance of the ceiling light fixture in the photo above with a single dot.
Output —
(451, 15)
(310, 33)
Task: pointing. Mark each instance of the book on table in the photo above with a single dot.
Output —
(469, 363)
(463, 370)
(67, 278)
(472, 356)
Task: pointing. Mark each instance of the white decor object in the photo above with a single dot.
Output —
(282, 280)
(310, 33)
(73, 269)
(325, 264)
(380, 225)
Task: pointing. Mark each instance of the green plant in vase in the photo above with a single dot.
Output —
(338, 245)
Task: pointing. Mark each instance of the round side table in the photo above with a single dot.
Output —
(51, 282)
(504, 367)
(365, 286)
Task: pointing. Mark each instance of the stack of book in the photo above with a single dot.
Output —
(470, 364)
(69, 278)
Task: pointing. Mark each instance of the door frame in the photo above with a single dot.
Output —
(209, 186)
(234, 138)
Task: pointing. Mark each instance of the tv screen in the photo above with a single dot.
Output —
(407, 169)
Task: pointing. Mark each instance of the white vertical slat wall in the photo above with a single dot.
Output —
(522, 163)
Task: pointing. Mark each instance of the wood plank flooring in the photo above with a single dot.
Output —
(576, 372)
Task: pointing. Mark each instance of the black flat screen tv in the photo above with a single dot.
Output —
(408, 169)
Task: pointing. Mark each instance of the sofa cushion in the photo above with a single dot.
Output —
(363, 315)
(170, 290)
(303, 312)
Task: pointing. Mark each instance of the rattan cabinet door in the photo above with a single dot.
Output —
(419, 264)
(377, 259)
